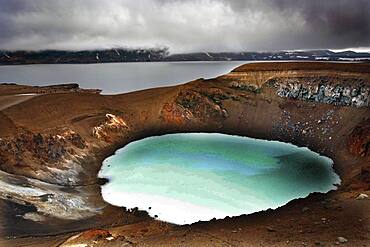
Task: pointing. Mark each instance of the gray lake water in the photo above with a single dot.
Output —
(114, 78)
(184, 178)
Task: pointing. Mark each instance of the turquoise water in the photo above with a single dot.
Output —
(184, 178)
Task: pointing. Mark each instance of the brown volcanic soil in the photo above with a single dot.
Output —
(304, 66)
(340, 132)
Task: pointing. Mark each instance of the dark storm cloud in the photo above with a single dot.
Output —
(326, 23)
(191, 25)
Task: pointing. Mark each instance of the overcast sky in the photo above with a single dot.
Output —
(185, 25)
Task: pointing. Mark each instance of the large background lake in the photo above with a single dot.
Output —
(115, 78)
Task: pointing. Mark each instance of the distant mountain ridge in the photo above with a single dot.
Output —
(162, 54)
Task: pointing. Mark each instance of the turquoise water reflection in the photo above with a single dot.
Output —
(184, 178)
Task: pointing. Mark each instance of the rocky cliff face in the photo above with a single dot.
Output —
(43, 156)
(328, 90)
(327, 84)
(56, 157)
(51, 171)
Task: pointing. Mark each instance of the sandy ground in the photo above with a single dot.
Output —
(10, 100)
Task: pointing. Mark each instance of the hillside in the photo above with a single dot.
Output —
(163, 55)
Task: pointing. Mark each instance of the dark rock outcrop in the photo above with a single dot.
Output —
(359, 140)
(336, 91)
(36, 153)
